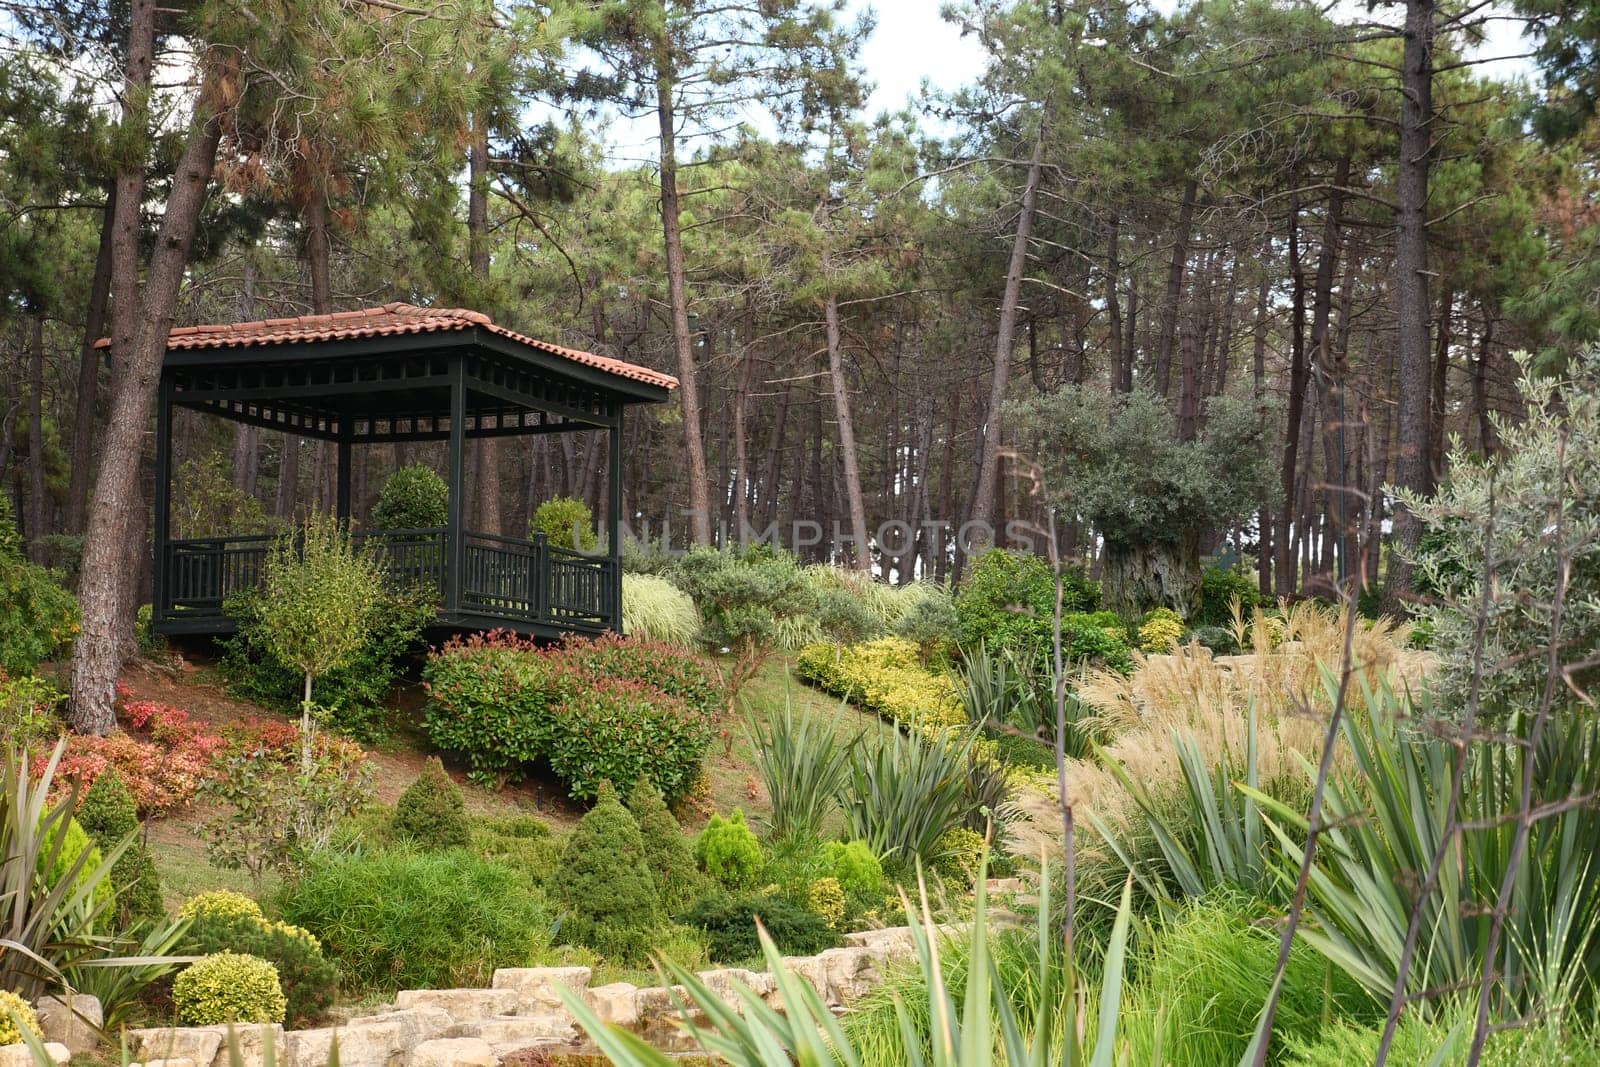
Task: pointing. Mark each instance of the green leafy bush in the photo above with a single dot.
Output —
(431, 812)
(222, 904)
(308, 979)
(416, 920)
(1007, 599)
(565, 523)
(743, 602)
(655, 608)
(885, 676)
(730, 927)
(598, 709)
(109, 815)
(960, 850)
(927, 619)
(604, 883)
(825, 899)
(69, 850)
(522, 842)
(1219, 588)
(413, 498)
(728, 851)
(668, 852)
(228, 987)
(1219, 639)
(855, 867)
(28, 710)
(40, 617)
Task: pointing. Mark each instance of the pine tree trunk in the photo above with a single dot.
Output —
(485, 450)
(84, 423)
(1411, 467)
(37, 510)
(1169, 311)
(862, 553)
(1284, 583)
(102, 593)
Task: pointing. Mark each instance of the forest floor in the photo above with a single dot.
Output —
(177, 842)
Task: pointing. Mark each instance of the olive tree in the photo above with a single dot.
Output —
(1114, 462)
(316, 612)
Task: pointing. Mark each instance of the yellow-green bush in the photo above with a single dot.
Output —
(960, 853)
(1161, 629)
(9, 1003)
(885, 676)
(825, 900)
(654, 608)
(228, 987)
(221, 904)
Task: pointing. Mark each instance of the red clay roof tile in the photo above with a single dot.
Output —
(393, 318)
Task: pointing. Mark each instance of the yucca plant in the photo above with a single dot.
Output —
(985, 1030)
(45, 929)
(1001, 690)
(1387, 821)
(905, 790)
(803, 765)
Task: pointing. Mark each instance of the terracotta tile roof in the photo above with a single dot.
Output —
(394, 318)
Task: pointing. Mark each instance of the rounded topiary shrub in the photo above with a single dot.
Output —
(604, 882)
(64, 846)
(308, 979)
(728, 851)
(11, 1003)
(413, 498)
(855, 865)
(730, 927)
(565, 523)
(228, 987)
(221, 903)
(431, 812)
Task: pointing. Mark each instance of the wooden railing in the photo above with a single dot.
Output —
(510, 578)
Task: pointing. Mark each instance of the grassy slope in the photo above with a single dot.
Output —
(178, 846)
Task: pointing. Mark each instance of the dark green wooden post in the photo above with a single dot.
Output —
(455, 539)
(341, 500)
(614, 515)
(163, 502)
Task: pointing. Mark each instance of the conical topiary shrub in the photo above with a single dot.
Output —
(431, 812)
(669, 854)
(605, 884)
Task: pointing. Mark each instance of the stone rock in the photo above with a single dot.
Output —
(207, 1045)
(849, 973)
(520, 1031)
(536, 986)
(617, 1003)
(724, 982)
(73, 1021)
(655, 1002)
(462, 1005)
(1001, 886)
(890, 943)
(363, 1045)
(454, 1052)
(414, 1025)
(167, 1063)
(810, 970)
(18, 1055)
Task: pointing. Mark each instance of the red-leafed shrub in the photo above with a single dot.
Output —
(603, 708)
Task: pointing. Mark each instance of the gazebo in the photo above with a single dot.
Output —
(400, 373)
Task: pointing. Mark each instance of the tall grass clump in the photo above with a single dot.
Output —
(654, 608)
(803, 765)
(905, 791)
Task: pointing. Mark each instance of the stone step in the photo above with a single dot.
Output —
(462, 1005)
(536, 986)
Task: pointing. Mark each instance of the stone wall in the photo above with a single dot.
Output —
(474, 1027)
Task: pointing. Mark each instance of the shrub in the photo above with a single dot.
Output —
(65, 845)
(109, 816)
(596, 709)
(277, 807)
(825, 899)
(413, 498)
(40, 618)
(605, 885)
(228, 987)
(307, 978)
(884, 676)
(655, 608)
(960, 851)
(728, 851)
(854, 866)
(1160, 629)
(417, 920)
(927, 619)
(522, 842)
(668, 853)
(743, 602)
(1007, 599)
(431, 812)
(352, 700)
(1219, 588)
(28, 706)
(1218, 639)
(221, 904)
(565, 523)
(730, 927)
(15, 1010)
